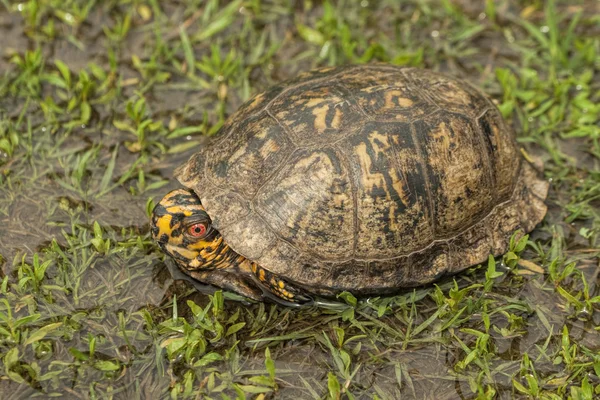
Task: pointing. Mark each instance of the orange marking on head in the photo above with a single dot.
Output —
(190, 252)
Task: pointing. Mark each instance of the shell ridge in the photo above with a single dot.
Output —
(479, 93)
(481, 114)
(479, 143)
(353, 181)
(257, 211)
(355, 104)
(275, 171)
(292, 138)
(491, 177)
(424, 173)
(279, 237)
(422, 93)
(313, 81)
(283, 162)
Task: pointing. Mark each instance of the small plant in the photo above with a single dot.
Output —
(100, 101)
(140, 125)
(515, 248)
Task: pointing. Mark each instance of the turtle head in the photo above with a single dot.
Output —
(183, 230)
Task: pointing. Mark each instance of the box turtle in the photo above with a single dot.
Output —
(365, 179)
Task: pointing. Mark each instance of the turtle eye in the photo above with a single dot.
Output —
(196, 230)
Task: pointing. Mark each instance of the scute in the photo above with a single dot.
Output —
(309, 203)
(367, 178)
(386, 95)
(501, 149)
(447, 93)
(243, 163)
(317, 113)
(392, 211)
(258, 236)
(458, 170)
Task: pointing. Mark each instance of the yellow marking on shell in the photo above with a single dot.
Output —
(281, 284)
(254, 267)
(239, 153)
(404, 102)
(396, 95)
(339, 200)
(372, 89)
(463, 170)
(315, 102)
(320, 114)
(441, 136)
(261, 275)
(261, 134)
(256, 102)
(320, 174)
(268, 148)
(337, 117)
(380, 144)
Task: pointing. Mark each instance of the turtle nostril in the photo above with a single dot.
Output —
(163, 239)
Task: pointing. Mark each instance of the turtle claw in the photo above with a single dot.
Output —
(300, 301)
(278, 290)
(331, 304)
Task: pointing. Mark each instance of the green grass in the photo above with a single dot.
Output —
(100, 101)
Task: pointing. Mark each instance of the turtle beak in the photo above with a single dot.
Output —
(162, 240)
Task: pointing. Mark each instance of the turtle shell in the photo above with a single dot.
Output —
(367, 178)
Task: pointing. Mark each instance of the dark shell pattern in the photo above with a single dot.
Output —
(367, 178)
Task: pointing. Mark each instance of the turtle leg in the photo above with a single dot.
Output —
(278, 289)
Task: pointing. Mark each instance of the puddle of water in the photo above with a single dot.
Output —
(118, 298)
